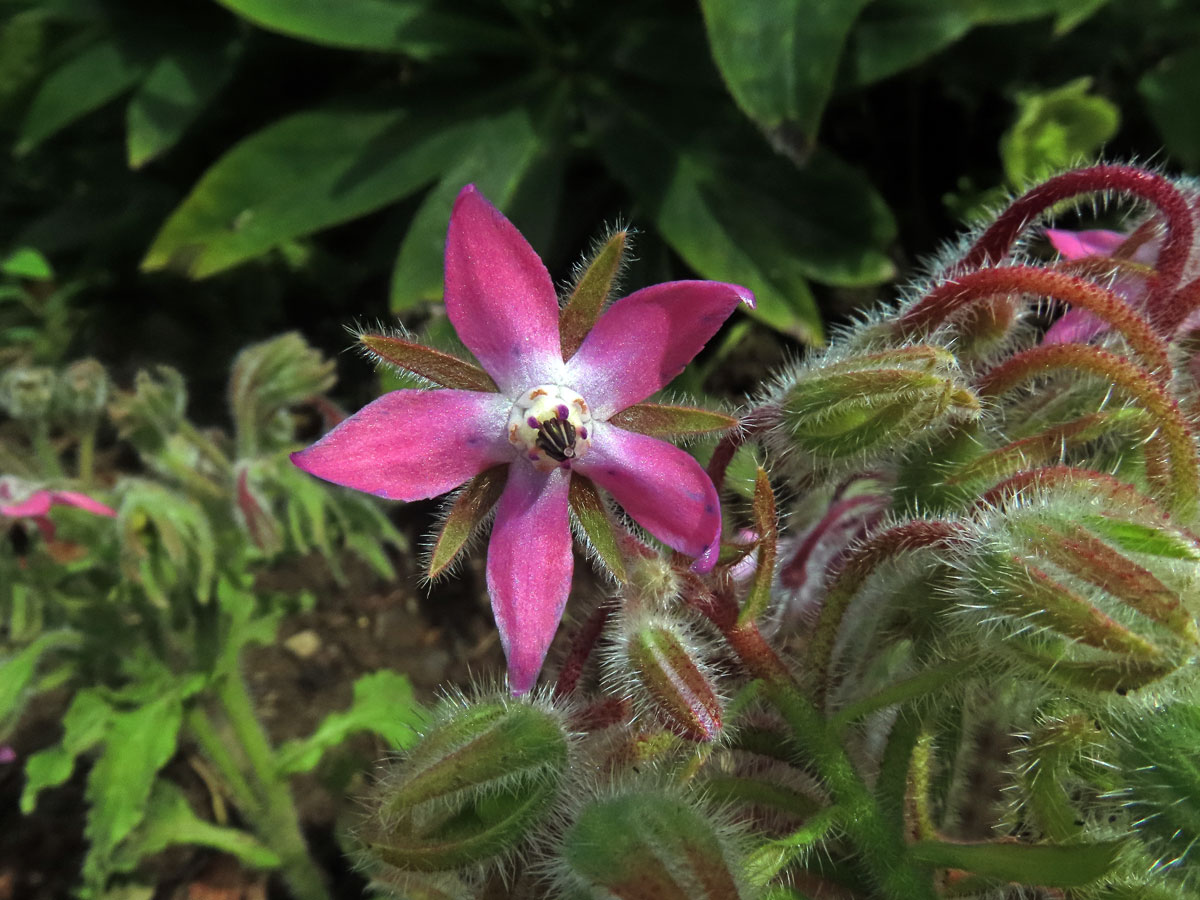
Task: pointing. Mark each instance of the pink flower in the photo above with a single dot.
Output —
(23, 501)
(1079, 325)
(548, 422)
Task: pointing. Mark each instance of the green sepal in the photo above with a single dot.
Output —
(664, 421)
(1045, 865)
(679, 690)
(767, 525)
(593, 286)
(592, 516)
(441, 368)
(471, 506)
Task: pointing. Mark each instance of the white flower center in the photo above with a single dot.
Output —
(551, 425)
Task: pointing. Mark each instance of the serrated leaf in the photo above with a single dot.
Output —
(1138, 538)
(139, 743)
(1044, 865)
(299, 175)
(84, 726)
(590, 512)
(177, 89)
(1054, 129)
(17, 672)
(170, 821)
(100, 73)
(383, 703)
(495, 158)
(471, 506)
(419, 28)
(26, 262)
(779, 59)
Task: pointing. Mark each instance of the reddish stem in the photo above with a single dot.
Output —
(582, 646)
(996, 242)
(946, 299)
(1133, 381)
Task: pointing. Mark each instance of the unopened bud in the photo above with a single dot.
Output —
(868, 405)
(26, 392)
(81, 391)
(154, 410)
(649, 844)
(472, 789)
(661, 668)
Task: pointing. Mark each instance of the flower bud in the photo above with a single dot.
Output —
(1090, 587)
(864, 406)
(26, 392)
(81, 391)
(153, 411)
(661, 668)
(472, 789)
(647, 844)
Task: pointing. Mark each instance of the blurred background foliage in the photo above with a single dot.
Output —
(230, 169)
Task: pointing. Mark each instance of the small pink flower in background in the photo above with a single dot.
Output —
(20, 500)
(1079, 325)
(548, 422)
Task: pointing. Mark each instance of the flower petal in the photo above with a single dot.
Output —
(36, 504)
(410, 445)
(83, 501)
(529, 568)
(500, 298)
(660, 486)
(1078, 244)
(644, 340)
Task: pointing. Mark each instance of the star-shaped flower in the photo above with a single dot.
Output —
(545, 418)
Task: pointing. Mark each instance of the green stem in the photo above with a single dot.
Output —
(919, 685)
(280, 822)
(201, 727)
(772, 858)
(86, 456)
(44, 449)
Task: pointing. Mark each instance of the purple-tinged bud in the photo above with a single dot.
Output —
(861, 407)
(661, 668)
(472, 789)
(649, 845)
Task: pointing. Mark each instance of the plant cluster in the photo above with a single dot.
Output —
(951, 653)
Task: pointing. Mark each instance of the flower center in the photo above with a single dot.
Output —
(550, 425)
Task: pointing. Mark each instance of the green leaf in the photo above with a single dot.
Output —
(299, 175)
(893, 35)
(1055, 129)
(591, 514)
(471, 505)
(1044, 865)
(659, 420)
(766, 525)
(139, 743)
(177, 89)
(18, 671)
(495, 158)
(779, 58)
(1138, 538)
(84, 726)
(1169, 93)
(26, 262)
(383, 703)
(170, 821)
(419, 28)
(595, 281)
(99, 74)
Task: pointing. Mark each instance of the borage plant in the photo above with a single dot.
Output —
(951, 652)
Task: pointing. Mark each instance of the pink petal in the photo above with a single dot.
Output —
(500, 298)
(36, 504)
(1075, 326)
(1078, 244)
(644, 340)
(410, 445)
(529, 568)
(660, 486)
(83, 501)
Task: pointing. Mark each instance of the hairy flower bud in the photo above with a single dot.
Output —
(26, 392)
(649, 844)
(659, 665)
(861, 407)
(81, 391)
(472, 789)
